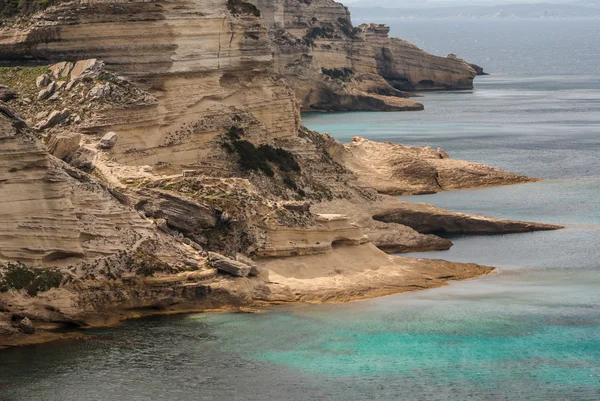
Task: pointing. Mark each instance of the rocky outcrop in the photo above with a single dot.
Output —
(425, 218)
(330, 231)
(197, 58)
(396, 169)
(53, 214)
(406, 67)
(479, 70)
(200, 165)
(333, 65)
(224, 264)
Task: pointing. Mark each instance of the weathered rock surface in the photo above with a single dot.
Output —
(396, 169)
(6, 94)
(109, 140)
(335, 66)
(425, 218)
(181, 214)
(56, 117)
(194, 87)
(62, 145)
(227, 265)
(26, 326)
(196, 58)
(83, 158)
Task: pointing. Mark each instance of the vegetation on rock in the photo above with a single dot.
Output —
(338, 73)
(9, 8)
(144, 264)
(17, 276)
(258, 158)
(239, 7)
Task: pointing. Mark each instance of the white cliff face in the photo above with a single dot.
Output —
(52, 214)
(195, 57)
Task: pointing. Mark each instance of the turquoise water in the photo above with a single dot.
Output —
(529, 332)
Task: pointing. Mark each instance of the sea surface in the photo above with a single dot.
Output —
(529, 332)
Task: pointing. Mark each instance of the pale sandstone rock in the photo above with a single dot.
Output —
(61, 70)
(62, 145)
(109, 140)
(86, 68)
(395, 169)
(100, 90)
(181, 214)
(47, 91)
(227, 265)
(43, 81)
(56, 117)
(83, 158)
(254, 270)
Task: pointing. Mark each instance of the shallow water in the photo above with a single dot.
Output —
(529, 332)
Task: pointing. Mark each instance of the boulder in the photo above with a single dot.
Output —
(56, 117)
(42, 81)
(47, 91)
(227, 265)
(193, 263)
(26, 326)
(109, 140)
(100, 90)
(60, 85)
(86, 68)
(162, 225)
(6, 94)
(183, 214)
(62, 145)
(246, 260)
(61, 70)
(83, 158)
(302, 207)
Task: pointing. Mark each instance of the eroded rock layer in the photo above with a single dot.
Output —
(336, 66)
(395, 169)
(195, 57)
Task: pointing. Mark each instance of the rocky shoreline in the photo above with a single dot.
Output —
(168, 171)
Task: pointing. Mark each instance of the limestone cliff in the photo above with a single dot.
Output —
(156, 132)
(333, 65)
(395, 169)
(198, 58)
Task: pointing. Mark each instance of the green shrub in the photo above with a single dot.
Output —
(252, 158)
(338, 73)
(239, 7)
(144, 264)
(347, 28)
(325, 31)
(17, 276)
(9, 8)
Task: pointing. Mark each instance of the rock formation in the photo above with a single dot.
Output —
(333, 65)
(395, 169)
(165, 168)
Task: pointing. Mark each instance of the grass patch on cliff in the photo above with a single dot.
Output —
(260, 158)
(239, 7)
(22, 79)
(146, 265)
(10, 8)
(347, 28)
(338, 73)
(324, 32)
(17, 276)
